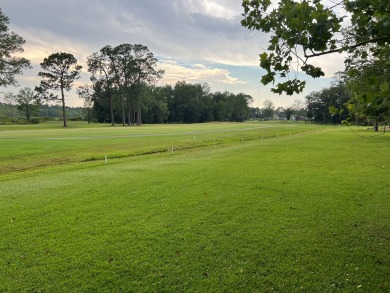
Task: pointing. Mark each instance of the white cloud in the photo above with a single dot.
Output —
(212, 8)
(40, 44)
(330, 63)
(196, 73)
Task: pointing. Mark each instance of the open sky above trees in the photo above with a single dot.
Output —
(195, 41)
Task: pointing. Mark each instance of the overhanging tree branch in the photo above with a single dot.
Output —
(339, 50)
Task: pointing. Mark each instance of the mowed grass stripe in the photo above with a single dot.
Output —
(308, 213)
(23, 136)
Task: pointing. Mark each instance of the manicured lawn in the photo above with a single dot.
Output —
(35, 146)
(307, 212)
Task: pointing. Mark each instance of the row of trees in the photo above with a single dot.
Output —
(25, 100)
(182, 103)
(13, 113)
(297, 111)
(194, 103)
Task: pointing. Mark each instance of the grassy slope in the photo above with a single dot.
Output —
(301, 213)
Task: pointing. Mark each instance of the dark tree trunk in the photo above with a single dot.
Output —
(139, 116)
(28, 115)
(63, 106)
(376, 125)
(128, 112)
(123, 112)
(111, 110)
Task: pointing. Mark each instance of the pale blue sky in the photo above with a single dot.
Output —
(194, 40)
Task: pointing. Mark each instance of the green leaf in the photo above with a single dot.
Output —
(263, 56)
(332, 110)
(373, 80)
(268, 78)
(384, 86)
(312, 70)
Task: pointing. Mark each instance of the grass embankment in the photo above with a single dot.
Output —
(305, 212)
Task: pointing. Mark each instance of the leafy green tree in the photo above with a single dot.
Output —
(268, 109)
(289, 112)
(10, 43)
(101, 65)
(255, 113)
(190, 103)
(194, 103)
(60, 71)
(318, 110)
(221, 109)
(86, 93)
(281, 113)
(9, 99)
(106, 106)
(123, 71)
(27, 102)
(137, 68)
(369, 81)
(185, 105)
(305, 29)
(240, 110)
(156, 103)
(377, 112)
(299, 110)
(328, 105)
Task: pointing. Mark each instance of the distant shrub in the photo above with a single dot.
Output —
(75, 119)
(5, 121)
(46, 118)
(21, 121)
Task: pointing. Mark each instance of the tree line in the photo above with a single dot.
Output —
(182, 103)
(10, 113)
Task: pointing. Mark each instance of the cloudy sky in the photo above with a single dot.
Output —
(194, 40)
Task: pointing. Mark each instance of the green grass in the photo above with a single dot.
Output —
(308, 212)
(28, 148)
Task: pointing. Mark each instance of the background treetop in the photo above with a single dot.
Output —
(10, 43)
